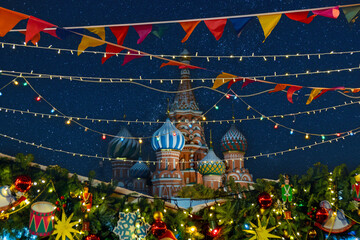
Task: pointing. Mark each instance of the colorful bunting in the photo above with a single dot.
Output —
(120, 34)
(301, 17)
(313, 94)
(131, 56)
(160, 30)
(9, 19)
(291, 92)
(35, 39)
(35, 26)
(279, 87)
(91, 42)
(268, 23)
(143, 31)
(239, 24)
(223, 78)
(246, 81)
(351, 12)
(216, 27)
(330, 12)
(188, 28)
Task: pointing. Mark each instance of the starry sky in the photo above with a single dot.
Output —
(112, 101)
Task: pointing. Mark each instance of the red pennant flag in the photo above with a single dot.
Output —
(131, 56)
(278, 88)
(291, 91)
(327, 90)
(111, 50)
(34, 26)
(330, 13)
(301, 17)
(216, 27)
(188, 28)
(9, 19)
(246, 81)
(143, 31)
(35, 39)
(355, 90)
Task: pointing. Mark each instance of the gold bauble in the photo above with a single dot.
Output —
(312, 233)
(357, 178)
(158, 215)
(286, 234)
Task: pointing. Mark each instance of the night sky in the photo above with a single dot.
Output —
(112, 101)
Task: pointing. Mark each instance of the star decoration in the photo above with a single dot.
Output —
(64, 228)
(280, 206)
(131, 227)
(260, 232)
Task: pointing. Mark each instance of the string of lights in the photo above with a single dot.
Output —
(265, 57)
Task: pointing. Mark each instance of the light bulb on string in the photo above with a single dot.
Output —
(307, 136)
(338, 134)
(351, 133)
(25, 84)
(216, 107)
(121, 138)
(16, 83)
(322, 137)
(291, 132)
(276, 126)
(1, 94)
(68, 122)
(227, 96)
(140, 141)
(103, 137)
(203, 118)
(262, 117)
(38, 98)
(52, 110)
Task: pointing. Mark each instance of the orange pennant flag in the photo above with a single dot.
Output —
(268, 23)
(9, 19)
(188, 28)
(278, 88)
(223, 78)
(313, 94)
(90, 42)
(170, 63)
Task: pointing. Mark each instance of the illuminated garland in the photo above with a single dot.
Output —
(208, 57)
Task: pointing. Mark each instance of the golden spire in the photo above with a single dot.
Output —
(233, 115)
(168, 107)
(211, 143)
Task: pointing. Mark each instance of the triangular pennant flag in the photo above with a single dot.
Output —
(91, 42)
(278, 88)
(120, 34)
(131, 56)
(268, 23)
(239, 24)
(291, 91)
(234, 81)
(34, 26)
(313, 94)
(170, 63)
(301, 17)
(355, 90)
(223, 78)
(9, 19)
(188, 28)
(330, 12)
(142, 31)
(160, 30)
(327, 90)
(351, 12)
(247, 82)
(35, 39)
(216, 27)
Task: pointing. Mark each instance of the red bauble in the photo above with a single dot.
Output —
(321, 215)
(23, 183)
(57, 202)
(62, 197)
(64, 205)
(214, 232)
(264, 200)
(92, 237)
(58, 209)
(158, 228)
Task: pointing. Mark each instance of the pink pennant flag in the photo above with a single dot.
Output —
(216, 27)
(35, 25)
(131, 56)
(291, 91)
(143, 31)
(330, 13)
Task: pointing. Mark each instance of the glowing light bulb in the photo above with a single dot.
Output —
(174, 133)
(276, 126)
(291, 132)
(140, 140)
(203, 118)
(38, 98)
(338, 134)
(68, 122)
(261, 118)
(121, 138)
(158, 138)
(16, 83)
(216, 107)
(52, 110)
(322, 137)
(227, 96)
(25, 84)
(190, 125)
(307, 136)
(103, 137)
(0, 93)
(351, 133)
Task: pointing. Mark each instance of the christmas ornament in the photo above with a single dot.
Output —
(336, 221)
(23, 183)
(86, 200)
(264, 200)
(312, 233)
(286, 233)
(42, 219)
(287, 215)
(158, 215)
(158, 228)
(8, 198)
(131, 227)
(64, 228)
(92, 237)
(321, 215)
(286, 190)
(356, 188)
(214, 232)
(4, 216)
(260, 232)
(168, 235)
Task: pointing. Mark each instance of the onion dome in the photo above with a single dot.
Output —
(167, 137)
(211, 164)
(233, 140)
(124, 146)
(139, 170)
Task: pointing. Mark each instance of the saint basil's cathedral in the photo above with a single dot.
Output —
(182, 155)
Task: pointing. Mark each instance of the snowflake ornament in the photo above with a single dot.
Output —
(131, 226)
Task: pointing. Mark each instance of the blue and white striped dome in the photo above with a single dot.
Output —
(124, 146)
(139, 170)
(167, 137)
(211, 164)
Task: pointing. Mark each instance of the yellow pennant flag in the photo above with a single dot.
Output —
(90, 42)
(223, 78)
(313, 94)
(268, 23)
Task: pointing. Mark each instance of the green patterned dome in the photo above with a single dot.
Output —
(211, 164)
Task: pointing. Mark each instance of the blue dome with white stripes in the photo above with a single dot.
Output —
(167, 137)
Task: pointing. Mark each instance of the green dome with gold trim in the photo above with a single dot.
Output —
(211, 164)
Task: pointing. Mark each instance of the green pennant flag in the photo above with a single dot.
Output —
(160, 30)
(351, 12)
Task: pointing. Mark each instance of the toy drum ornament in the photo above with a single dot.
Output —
(42, 219)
